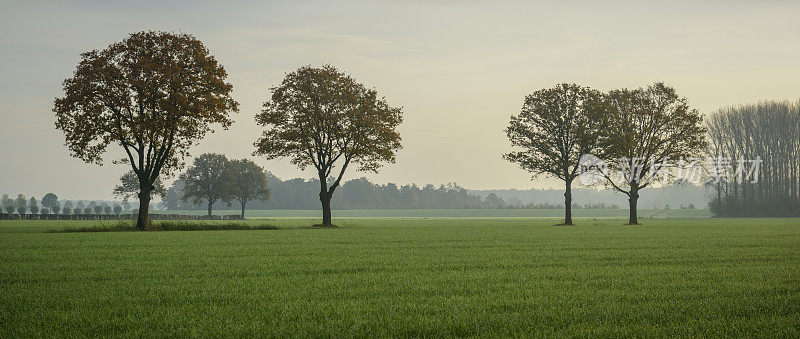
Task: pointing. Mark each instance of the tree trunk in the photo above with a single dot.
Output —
(633, 219)
(325, 198)
(568, 203)
(243, 203)
(210, 204)
(143, 220)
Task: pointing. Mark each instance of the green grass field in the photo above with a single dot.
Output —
(418, 277)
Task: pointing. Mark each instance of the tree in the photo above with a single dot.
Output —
(56, 207)
(79, 208)
(117, 209)
(9, 205)
(49, 200)
(67, 207)
(106, 208)
(554, 129)
(128, 187)
(247, 182)
(207, 180)
(493, 201)
(173, 199)
(324, 118)
(98, 208)
(33, 205)
(22, 204)
(154, 94)
(647, 128)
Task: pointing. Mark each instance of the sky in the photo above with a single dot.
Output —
(459, 69)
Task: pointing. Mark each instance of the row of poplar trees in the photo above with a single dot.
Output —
(768, 131)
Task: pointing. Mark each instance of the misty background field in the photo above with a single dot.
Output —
(461, 213)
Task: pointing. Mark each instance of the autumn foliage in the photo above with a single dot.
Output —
(154, 94)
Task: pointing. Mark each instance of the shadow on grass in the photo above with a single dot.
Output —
(126, 226)
(318, 226)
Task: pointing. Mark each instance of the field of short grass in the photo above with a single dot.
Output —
(390, 277)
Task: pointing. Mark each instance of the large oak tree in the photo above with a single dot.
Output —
(324, 118)
(154, 94)
(648, 130)
(555, 127)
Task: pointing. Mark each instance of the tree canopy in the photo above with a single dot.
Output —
(247, 181)
(322, 117)
(33, 205)
(555, 127)
(68, 208)
(49, 201)
(9, 205)
(154, 94)
(22, 204)
(207, 180)
(647, 128)
(128, 187)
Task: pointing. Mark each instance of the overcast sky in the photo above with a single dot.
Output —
(458, 69)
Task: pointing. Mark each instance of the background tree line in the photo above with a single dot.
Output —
(769, 130)
(673, 195)
(213, 180)
(51, 205)
(300, 194)
(363, 194)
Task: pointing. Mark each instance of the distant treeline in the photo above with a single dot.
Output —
(113, 216)
(767, 131)
(361, 194)
(674, 196)
(302, 194)
(50, 205)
